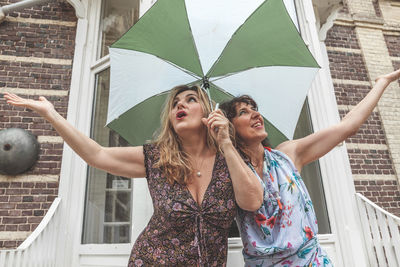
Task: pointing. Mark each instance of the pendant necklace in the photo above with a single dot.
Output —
(198, 173)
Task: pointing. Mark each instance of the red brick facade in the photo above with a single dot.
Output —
(42, 39)
(349, 74)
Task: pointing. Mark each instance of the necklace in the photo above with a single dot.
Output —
(198, 173)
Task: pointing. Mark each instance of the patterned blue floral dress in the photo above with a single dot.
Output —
(283, 231)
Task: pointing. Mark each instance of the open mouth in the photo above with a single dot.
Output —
(257, 124)
(181, 114)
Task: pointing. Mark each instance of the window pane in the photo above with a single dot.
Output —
(117, 17)
(311, 174)
(107, 216)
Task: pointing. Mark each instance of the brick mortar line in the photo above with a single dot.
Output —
(14, 235)
(40, 92)
(373, 177)
(42, 21)
(54, 61)
(345, 50)
(28, 178)
(395, 58)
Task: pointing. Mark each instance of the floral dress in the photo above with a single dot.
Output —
(180, 232)
(283, 231)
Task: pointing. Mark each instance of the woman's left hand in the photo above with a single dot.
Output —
(218, 125)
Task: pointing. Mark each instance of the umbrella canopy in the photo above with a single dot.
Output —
(236, 46)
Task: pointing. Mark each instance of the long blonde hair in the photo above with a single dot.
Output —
(175, 163)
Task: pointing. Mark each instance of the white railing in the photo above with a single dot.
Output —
(39, 249)
(381, 233)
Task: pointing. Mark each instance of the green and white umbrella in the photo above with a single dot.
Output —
(235, 46)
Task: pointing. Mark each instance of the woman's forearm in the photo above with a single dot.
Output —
(360, 113)
(84, 146)
(247, 187)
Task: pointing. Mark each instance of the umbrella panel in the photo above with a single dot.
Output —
(139, 124)
(164, 31)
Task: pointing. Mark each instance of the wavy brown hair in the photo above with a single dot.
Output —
(175, 163)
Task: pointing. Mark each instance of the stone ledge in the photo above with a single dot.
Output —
(373, 177)
(40, 92)
(363, 146)
(14, 235)
(351, 82)
(39, 60)
(28, 178)
(42, 21)
(343, 49)
(50, 139)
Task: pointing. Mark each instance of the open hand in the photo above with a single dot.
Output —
(390, 77)
(41, 106)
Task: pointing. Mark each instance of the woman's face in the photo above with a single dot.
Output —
(187, 112)
(249, 124)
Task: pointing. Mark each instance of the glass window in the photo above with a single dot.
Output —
(116, 18)
(108, 207)
(311, 174)
(107, 216)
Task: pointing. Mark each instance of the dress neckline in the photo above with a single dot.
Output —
(186, 189)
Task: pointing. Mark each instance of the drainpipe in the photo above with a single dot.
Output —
(17, 6)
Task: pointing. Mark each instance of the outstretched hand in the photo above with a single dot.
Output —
(41, 106)
(390, 77)
(218, 125)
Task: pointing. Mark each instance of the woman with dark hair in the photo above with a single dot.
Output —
(194, 183)
(283, 232)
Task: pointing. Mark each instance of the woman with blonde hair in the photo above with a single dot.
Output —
(194, 174)
(283, 232)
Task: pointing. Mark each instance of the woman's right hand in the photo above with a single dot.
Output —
(218, 125)
(42, 106)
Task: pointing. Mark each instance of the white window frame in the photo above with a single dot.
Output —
(345, 243)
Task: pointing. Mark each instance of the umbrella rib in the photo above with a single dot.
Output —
(194, 43)
(178, 67)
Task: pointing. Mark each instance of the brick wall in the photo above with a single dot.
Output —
(393, 45)
(373, 169)
(36, 52)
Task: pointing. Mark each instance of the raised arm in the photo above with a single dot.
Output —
(312, 147)
(247, 187)
(123, 161)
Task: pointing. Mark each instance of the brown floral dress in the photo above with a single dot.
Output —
(180, 232)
